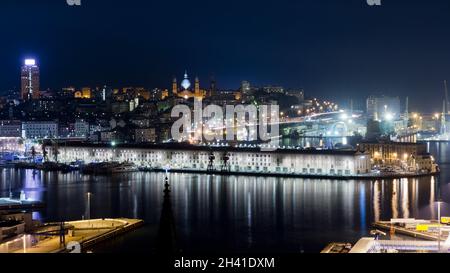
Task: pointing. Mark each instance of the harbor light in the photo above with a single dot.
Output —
(344, 116)
(389, 117)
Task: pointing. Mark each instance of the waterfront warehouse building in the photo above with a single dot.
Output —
(410, 155)
(184, 157)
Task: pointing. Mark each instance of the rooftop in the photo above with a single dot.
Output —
(217, 147)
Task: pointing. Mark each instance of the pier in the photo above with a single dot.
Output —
(14, 204)
(422, 236)
(75, 236)
(412, 232)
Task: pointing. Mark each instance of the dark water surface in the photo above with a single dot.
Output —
(236, 214)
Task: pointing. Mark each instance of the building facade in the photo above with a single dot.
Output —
(412, 156)
(145, 135)
(203, 158)
(40, 129)
(10, 128)
(185, 90)
(81, 128)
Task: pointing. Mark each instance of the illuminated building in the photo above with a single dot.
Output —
(40, 129)
(240, 160)
(144, 135)
(10, 128)
(78, 95)
(298, 93)
(68, 92)
(412, 156)
(30, 80)
(273, 89)
(81, 128)
(185, 91)
(11, 144)
(143, 93)
(86, 93)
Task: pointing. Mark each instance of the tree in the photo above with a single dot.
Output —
(33, 153)
(55, 152)
(44, 151)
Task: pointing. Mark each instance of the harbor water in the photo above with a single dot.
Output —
(235, 214)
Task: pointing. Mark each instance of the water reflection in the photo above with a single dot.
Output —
(235, 213)
(432, 198)
(405, 197)
(394, 199)
(376, 201)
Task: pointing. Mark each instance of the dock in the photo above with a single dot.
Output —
(368, 177)
(15, 204)
(425, 235)
(420, 236)
(79, 236)
(337, 248)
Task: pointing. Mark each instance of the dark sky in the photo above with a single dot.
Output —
(335, 49)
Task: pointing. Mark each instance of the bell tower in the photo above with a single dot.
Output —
(174, 87)
(213, 88)
(197, 88)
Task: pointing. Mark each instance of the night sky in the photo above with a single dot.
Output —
(334, 49)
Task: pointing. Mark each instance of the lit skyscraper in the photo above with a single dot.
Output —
(30, 80)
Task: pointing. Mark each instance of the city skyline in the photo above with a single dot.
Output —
(32, 65)
(321, 47)
(198, 134)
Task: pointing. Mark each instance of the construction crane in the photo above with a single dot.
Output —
(447, 105)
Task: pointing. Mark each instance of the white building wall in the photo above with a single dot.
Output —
(295, 163)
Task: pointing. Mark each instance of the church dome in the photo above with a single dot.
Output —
(186, 83)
